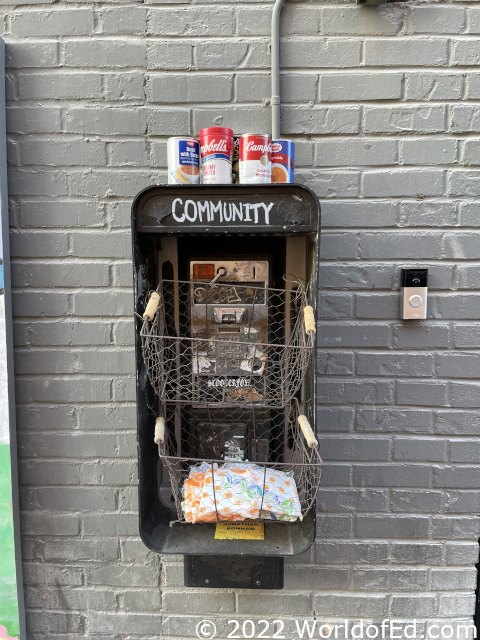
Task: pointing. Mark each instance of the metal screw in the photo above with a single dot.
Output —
(258, 583)
(207, 581)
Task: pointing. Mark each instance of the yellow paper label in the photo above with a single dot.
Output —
(239, 531)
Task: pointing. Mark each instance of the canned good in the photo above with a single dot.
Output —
(236, 160)
(255, 158)
(216, 150)
(283, 153)
(183, 155)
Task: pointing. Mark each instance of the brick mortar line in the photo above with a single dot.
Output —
(387, 136)
(333, 167)
(242, 72)
(262, 38)
(15, 71)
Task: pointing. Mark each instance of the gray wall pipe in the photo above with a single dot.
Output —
(275, 68)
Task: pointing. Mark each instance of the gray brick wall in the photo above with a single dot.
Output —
(381, 103)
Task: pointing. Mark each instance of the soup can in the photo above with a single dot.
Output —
(283, 153)
(255, 152)
(236, 160)
(183, 157)
(216, 144)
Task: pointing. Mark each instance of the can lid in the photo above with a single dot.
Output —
(183, 138)
(266, 135)
(225, 131)
(283, 140)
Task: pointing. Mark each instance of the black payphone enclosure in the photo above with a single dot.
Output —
(278, 210)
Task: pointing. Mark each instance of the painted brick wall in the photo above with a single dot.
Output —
(383, 107)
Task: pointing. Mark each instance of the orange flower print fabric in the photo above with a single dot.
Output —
(239, 491)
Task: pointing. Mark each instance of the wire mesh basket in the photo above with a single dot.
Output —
(235, 465)
(227, 344)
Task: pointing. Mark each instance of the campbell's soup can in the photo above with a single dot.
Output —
(183, 156)
(255, 158)
(283, 155)
(216, 145)
(236, 160)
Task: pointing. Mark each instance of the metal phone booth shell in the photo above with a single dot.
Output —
(163, 213)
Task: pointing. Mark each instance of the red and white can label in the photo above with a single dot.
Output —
(216, 151)
(255, 158)
(282, 160)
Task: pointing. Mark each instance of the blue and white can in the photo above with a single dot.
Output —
(183, 155)
(283, 156)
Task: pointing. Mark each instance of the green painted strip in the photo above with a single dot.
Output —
(8, 583)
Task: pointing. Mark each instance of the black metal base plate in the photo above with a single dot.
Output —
(234, 572)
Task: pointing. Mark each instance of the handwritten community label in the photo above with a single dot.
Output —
(220, 211)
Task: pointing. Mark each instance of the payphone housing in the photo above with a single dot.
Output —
(249, 238)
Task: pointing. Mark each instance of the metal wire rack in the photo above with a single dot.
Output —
(227, 344)
(236, 465)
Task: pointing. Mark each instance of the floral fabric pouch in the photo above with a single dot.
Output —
(235, 491)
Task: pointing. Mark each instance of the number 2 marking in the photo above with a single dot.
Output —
(237, 623)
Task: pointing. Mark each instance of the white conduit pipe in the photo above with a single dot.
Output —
(275, 68)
